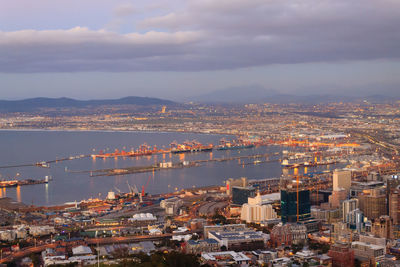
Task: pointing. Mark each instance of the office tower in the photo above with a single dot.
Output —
(349, 205)
(341, 180)
(394, 205)
(295, 205)
(241, 194)
(373, 205)
(355, 220)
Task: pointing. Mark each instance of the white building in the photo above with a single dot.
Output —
(41, 230)
(256, 210)
(264, 199)
(171, 205)
(257, 213)
(142, 217)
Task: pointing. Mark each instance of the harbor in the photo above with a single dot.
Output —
(15, 183)
(170, 165)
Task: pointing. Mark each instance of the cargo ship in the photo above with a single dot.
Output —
(14, 183)
(144, 150)
(190, 147)
(285, 163)
(225, 145)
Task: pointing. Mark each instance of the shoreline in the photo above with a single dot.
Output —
(109, 131)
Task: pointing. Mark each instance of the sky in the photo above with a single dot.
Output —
(91, 49)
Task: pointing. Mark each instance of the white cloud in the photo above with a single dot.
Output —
(208, 35)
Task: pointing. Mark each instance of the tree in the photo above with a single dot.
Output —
(35, 259)
(194, 237)
(120, 253)
(218, 219)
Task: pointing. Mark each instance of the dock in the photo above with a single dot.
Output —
(170, 165)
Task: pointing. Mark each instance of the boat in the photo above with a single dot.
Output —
(9, 183)
(190, 147)
(43, 164)
(236, 144)
(231, 147)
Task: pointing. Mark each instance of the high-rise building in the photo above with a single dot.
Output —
(394, 205)
(349, 205)
(341, 180)
(355, 220)
(373, 205)
(295, 200)
(295, 205)
(392, 184)
(240, 195)
(337, 197)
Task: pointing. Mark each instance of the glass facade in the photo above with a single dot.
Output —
(289, 205)
(240, 194)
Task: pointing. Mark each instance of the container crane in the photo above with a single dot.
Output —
(144, 187)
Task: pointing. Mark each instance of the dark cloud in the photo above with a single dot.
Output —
(214, 35)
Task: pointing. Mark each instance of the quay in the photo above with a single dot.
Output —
(169, 165)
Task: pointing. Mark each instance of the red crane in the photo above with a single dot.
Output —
(144, 187)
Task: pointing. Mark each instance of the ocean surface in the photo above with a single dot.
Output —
(26, 147)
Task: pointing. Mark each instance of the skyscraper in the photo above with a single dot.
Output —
(295, 206)
(341, 180)
(373, 205)
(240, 195)
(394, 205)
(347, 206)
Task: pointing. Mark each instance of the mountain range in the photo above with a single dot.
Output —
(44, 102)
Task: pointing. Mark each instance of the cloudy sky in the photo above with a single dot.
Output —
(178, 49)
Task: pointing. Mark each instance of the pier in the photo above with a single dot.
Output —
(170, 165)
(44, 164)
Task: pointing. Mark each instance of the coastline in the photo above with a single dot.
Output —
(109, 131)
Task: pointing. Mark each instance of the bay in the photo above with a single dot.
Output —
(24, 147)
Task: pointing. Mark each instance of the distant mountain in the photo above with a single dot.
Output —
(44, 102)
(257, 94)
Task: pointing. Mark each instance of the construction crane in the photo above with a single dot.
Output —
(119, 191)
